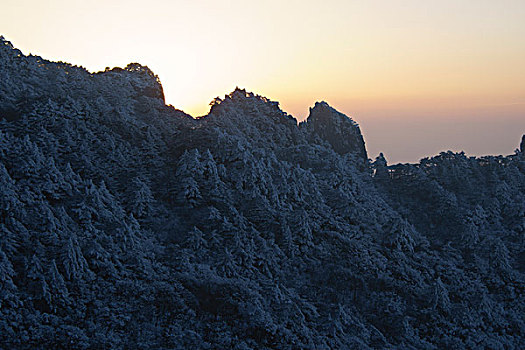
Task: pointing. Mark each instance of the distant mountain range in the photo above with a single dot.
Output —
(125, 223)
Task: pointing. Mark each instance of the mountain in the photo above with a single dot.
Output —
(125, 223)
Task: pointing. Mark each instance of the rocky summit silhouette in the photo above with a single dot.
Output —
(125, 223)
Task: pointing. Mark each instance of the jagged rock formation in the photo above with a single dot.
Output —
(125, 223)
(341, 133)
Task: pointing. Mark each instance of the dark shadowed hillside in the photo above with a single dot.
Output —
(125, 223)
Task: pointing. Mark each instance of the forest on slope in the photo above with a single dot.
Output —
(125, 223)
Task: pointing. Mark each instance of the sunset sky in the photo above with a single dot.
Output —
(418, 76)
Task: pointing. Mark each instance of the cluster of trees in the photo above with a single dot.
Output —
(126, 223)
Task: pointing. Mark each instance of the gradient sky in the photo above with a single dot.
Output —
(418, 76)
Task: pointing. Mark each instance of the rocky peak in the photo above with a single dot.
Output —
(143, 80)
(340, 131)
(243, 107)
(242, 100)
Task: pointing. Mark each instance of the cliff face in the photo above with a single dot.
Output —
(126, 223)
(341, 132)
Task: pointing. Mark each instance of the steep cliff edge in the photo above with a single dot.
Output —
(341, 132)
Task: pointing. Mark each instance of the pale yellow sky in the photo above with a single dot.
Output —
(454, 68)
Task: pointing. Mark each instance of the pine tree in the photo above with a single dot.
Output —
(141, 198)
(380, 168)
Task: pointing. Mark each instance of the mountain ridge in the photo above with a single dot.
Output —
(126, 223)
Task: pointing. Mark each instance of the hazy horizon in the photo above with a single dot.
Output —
(419, 77)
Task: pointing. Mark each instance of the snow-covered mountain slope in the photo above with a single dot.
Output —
(125, 223)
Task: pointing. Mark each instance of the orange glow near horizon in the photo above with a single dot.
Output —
(390, 65)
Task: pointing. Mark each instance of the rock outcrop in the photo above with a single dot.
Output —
(340, 131)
